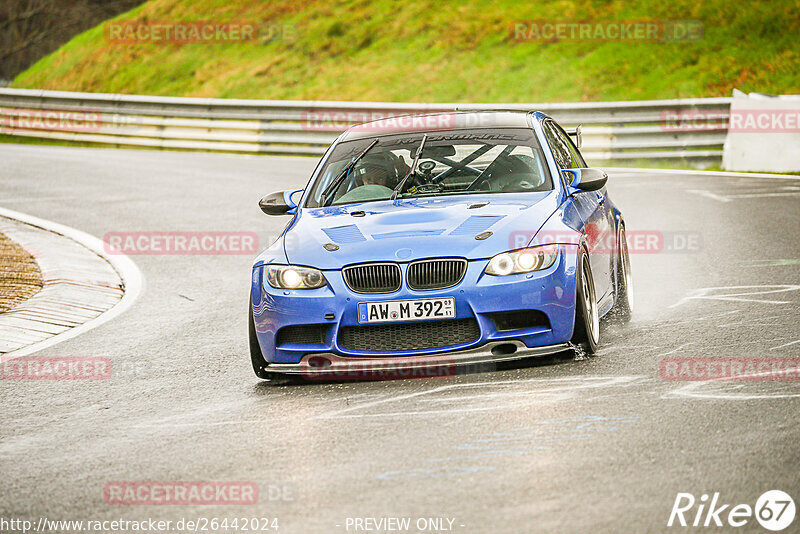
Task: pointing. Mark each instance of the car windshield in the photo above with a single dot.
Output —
(451, 163)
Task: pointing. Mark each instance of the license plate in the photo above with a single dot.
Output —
(406, 310)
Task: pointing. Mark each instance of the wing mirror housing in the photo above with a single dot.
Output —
(584, 179)
(279, 203)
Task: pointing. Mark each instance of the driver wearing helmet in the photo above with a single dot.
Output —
(383, 169)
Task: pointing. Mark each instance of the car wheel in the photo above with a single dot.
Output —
(623, 307)
(586, 334)
(259, 363)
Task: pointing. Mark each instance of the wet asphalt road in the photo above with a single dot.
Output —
(599, 444)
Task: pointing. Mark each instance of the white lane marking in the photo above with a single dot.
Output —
(737, 295)
(708, 194)
(786, 344)
(389, 398)
(759, 195)
(660, 325)
(673, 351)
(747, 189)
(128, 271)
(488, 399)
(202, 415)
(744, 187)
(720, 174)
(738, 343)
(688, 390)
(772, 263)
(36, 199)
(743, 322)
(746, 324)
(218, 423)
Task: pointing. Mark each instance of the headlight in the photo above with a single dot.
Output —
(291, 277)
(525, 260)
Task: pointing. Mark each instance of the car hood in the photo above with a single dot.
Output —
(410, 229)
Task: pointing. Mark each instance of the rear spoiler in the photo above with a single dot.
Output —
(577, 135)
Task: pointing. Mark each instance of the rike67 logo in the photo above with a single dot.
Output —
(774, 510)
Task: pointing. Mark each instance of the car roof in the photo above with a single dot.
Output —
(442, 121)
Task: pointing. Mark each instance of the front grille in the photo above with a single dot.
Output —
(302, 333)
(436, 274)
(408, 336)
(373, 277)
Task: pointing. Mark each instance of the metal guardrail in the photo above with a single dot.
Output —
(635, 130)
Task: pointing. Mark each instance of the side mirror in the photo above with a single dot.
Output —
(584, 179)
(279, 203)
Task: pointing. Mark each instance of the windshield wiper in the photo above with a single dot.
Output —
(334, 185)
(412, 170)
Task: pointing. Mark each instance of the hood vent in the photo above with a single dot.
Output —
(476, 224)
(408, 233)
(345, 234)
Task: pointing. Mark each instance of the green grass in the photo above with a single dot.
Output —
(23, 140)
(437, 51)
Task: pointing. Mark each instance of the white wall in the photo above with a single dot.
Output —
(763, 134)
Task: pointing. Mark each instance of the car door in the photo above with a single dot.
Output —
(591, 207)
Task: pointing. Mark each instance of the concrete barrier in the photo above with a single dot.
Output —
(764, 133)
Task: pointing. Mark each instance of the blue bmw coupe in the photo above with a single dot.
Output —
(436, 242)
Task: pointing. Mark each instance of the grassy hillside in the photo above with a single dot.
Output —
(430, 50)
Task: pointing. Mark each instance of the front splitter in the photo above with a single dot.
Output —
(330, 366)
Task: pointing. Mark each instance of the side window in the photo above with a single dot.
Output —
(561, 151)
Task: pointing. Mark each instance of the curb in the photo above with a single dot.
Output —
(131, 284)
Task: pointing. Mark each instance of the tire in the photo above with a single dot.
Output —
(623, 299)
(256, 357)
(586, 334)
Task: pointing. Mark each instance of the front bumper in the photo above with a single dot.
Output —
(478, 296)
(330, 366)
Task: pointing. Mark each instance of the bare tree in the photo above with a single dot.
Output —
(31, 29)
